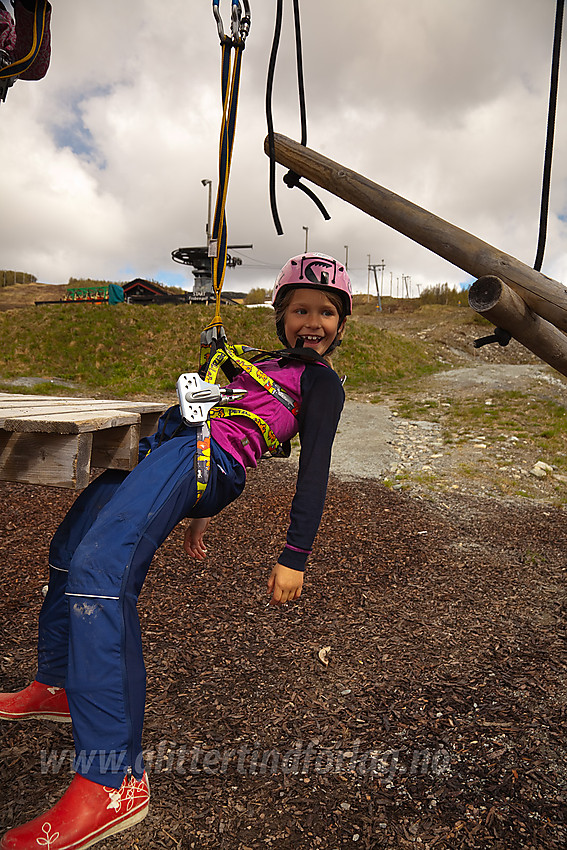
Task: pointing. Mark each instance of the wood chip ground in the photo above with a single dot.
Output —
(434, 717)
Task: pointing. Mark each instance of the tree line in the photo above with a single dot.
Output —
(441, 293)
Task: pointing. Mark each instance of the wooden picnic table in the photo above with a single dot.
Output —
(56, 441)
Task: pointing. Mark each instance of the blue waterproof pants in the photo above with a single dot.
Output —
(89, 631)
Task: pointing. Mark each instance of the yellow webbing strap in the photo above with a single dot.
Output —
(270, 438)
(229, 353)
(202, 459)
(22, 65)
(218, 241)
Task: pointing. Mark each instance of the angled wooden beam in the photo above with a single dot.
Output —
(542, 294)
(490, 297)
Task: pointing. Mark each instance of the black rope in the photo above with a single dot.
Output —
(300, 78)
(500, 336)
(269, 115)
(546, 185)
(291, 179)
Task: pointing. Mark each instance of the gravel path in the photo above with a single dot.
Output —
(375, 430)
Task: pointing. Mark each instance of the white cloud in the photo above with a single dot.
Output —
(443, 103)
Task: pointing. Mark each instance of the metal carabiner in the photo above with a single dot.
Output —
(218, 19)
(235, 16)
(239, 22)
(245, 21)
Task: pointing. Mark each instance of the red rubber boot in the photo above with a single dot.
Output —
(42, 702)
(86, 814)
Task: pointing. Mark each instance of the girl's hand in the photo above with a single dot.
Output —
(193, 542)
(284, 584)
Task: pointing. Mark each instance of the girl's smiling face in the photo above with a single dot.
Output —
(312, 317)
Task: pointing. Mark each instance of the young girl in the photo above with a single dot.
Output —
(91, 669)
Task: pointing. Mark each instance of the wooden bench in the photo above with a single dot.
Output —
(56, 441)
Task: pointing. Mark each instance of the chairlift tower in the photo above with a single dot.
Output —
(374, 268)
(406, 281)
(199, 259)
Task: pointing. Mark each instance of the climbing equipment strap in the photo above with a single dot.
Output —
(215, 351)
(230, 84)
(214, 335)
(213, 338)
(233, 353)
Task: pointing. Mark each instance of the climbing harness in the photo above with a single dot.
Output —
(202, 400)
(200, 397)
(9, 70)
(291, 179)
(230, 82)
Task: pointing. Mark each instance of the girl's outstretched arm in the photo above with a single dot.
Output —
(193, 543)
(284, 584)
(322, 401)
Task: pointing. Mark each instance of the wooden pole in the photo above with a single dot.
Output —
(490, 297)
(544, 296)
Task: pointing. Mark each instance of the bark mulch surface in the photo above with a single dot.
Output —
(413, 697)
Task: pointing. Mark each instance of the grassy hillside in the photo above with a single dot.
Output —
(130, 350)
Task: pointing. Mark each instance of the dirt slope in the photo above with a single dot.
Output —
(26, 294)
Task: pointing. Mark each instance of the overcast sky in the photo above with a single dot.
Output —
(441, 101)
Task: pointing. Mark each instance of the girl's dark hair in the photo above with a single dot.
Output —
(280, 309)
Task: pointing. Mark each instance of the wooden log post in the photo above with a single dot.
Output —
(490, 297)
(542, 294)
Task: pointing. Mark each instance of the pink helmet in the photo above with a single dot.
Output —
(319, 271)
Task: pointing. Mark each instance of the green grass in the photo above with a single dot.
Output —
(120, 350)
(129, 349)
(373, 358)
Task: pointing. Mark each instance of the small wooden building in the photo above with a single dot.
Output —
(145, 291)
